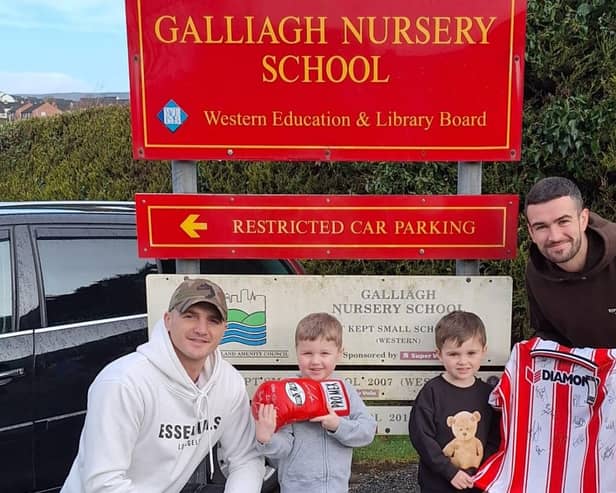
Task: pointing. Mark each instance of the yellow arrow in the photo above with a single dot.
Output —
(190, 226)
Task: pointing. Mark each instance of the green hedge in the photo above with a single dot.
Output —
(569, 129)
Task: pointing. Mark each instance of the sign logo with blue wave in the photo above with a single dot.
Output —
(172, 115)
(246, 322)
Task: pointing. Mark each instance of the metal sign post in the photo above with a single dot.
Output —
(469, 183)
(184, 180)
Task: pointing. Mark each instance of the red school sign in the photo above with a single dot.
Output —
(327, 226)
(326, 80)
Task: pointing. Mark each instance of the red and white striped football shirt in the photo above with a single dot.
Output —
(558, 428)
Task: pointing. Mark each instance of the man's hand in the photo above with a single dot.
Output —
(329, 421)
(266, 423)
(461, 481)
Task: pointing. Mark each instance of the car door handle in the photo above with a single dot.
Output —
(17, 372)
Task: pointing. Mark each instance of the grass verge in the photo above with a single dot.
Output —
(386, 449)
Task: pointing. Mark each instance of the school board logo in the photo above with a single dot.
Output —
(172, 115)
(246, 320)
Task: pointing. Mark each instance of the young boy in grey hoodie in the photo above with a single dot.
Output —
(315, 456)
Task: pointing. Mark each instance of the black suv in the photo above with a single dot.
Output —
(72, 299)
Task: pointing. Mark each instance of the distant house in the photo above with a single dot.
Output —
(32, 106)
(65, 105)
(46, 108)
(28, 108)
(6, 98)
(16, 113)
(7, 110)
(93, 102)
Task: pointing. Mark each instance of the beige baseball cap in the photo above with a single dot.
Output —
(193, 291)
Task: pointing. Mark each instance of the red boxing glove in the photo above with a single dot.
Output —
(300, 399)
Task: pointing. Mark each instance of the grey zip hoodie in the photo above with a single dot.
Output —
(313, 460)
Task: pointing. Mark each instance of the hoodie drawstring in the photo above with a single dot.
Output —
(202, 409)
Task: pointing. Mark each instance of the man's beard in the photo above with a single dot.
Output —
(562, 257)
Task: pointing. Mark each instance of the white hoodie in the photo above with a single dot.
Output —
(148, 425)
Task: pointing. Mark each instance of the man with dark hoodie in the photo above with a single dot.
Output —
(571, 271)
(154, 414)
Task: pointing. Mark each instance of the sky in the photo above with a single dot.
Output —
(53, 46)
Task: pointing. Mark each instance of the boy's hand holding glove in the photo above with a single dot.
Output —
(301, 399)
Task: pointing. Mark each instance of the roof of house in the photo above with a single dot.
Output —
(23, 107)
(6, 98)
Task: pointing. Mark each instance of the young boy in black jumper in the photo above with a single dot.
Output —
(452, 426)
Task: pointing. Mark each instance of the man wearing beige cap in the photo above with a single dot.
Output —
(153, 415)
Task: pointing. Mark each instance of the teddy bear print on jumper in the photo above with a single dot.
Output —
(465, 450)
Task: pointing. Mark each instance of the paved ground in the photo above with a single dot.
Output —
(384, 479)
(381, 478)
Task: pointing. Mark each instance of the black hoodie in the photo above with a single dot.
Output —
(577, 309)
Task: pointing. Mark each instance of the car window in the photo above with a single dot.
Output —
(6, 293)
(92, 278)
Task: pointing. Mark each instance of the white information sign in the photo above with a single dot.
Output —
(391, 420)
(387, 320)
(385, 385)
